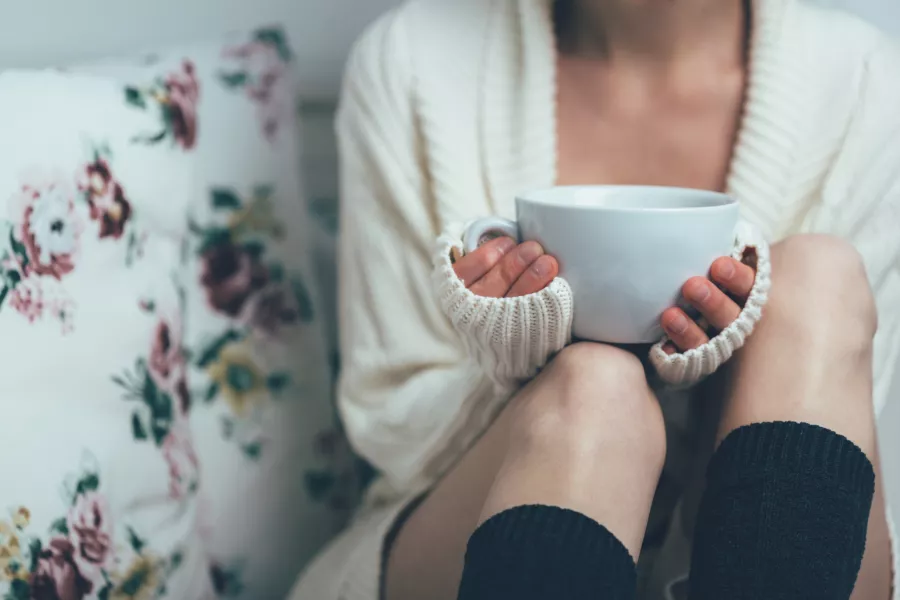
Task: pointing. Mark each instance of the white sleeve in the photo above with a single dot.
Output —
(861, 203)
(688, 368)
(409, 393)
(512, 338)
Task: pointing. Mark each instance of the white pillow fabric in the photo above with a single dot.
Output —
(278, 479)
(98, 495)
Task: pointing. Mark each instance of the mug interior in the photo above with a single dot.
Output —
(628, 198)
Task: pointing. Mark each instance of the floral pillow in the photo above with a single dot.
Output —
(278, 479)
(99, 467)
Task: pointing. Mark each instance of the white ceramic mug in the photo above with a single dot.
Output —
(625, 250)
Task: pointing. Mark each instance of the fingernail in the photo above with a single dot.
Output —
(698, 293)
(530, 252)
(542, 268)
(724, 270)
(677, 324)
(506, 244)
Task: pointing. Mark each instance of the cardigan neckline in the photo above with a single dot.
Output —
(517, 119)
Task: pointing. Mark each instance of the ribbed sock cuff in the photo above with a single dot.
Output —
(783, 517)
(786, 449)
(543, 553)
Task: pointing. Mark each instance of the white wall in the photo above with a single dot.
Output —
(886, 13)
(48, 32)
(51, 32)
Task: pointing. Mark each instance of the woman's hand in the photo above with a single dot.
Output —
(502, 269)
(717, 308)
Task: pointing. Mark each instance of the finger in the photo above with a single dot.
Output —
(472, 267)
(497, 282)
(536, 277)
(718, 309)
(683, 332)
(735, 277)
(670, 348)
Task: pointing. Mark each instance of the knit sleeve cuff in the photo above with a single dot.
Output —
(511, 338)
(688, 368)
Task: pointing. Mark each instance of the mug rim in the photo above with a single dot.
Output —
(718, 200)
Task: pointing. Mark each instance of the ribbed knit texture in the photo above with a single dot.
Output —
(546, 553)
(448, 111)
(687, 368)
(511, 338)
(783, 517)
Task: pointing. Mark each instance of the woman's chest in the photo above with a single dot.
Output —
(646, 140)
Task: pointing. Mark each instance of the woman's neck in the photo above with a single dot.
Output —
(656, 33)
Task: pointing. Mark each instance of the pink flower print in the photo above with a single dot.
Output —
(166, 362)
(56, 575)
(49, 229)
(230, 274)
(182, 95)
(264, 68)
(106, 198)
(270, 309)
(64, 311)
(90, 531)
(28, 299)
(264, 72)
(178, 451)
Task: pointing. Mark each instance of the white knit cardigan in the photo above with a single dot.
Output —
(448, 110)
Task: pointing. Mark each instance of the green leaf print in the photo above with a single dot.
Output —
(34, 550)
(213, 237)
(135, 98)
(234, 80)
(211, 392)
(252, 450)
(223, 198)
(18, 590)
(137, 544)
(138, 431)
(60, 526)
(212, 351)
(227, 581)
(150, 138)
(254, 248)
(275, 38)
(277, 382)
(304, 302)
(89, 483)
(19, 250)
(318, 484)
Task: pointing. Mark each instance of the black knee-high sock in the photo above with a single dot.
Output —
(783, 517)
(546, 553)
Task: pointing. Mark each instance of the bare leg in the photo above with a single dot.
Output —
(586, 435)
(810, 361)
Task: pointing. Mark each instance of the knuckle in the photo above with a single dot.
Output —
(510, 270)
(490, 257)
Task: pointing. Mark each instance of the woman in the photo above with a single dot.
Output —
(449, 109)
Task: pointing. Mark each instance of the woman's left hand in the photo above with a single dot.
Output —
(718, 299)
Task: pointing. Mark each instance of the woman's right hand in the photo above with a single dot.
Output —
(502, 269)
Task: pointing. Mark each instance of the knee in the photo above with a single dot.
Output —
(820, 289)
(594, 398)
